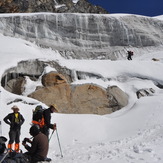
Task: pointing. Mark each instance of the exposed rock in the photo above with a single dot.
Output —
(18, 6)
(16, 86)
(90, 99)
(82, 6)
(81, 99)
(59, 94)
(145, 92)
(52, 79)
(155, 59)
(117, 97)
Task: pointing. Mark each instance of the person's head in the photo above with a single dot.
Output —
(2, 144)
(34, 130)
(53, 108)
(15, 109)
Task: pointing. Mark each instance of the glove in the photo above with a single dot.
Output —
(26, 140)
(54, 126)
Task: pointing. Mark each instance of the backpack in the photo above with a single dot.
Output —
(13, 157)
(37, 117)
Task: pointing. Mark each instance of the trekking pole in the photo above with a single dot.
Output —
(51, 135)
(0, 128)
(4, 156)
(59, 143)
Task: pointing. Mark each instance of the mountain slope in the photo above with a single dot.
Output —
(56, 6)
(133, 134)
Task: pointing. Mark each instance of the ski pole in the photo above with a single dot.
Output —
(51, 135)
(4, 156)
(0, 128)
(59, 143)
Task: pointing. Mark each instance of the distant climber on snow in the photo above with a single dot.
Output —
(130, 54)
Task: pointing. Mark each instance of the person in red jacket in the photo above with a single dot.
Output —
(15, 120)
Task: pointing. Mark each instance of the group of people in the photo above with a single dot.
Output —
(37, 148)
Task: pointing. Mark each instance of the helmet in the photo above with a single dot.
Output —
(38, 107)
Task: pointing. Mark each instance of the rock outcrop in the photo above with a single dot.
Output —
(16, 86)
(57, 6)
(81, 99)
(145, 92)
(52, 79)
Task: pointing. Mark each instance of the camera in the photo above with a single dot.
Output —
(25, 140)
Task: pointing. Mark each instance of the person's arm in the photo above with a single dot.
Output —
(33, 146)
(47, 118)
(6, 119)
(24, 143)
(21, 119)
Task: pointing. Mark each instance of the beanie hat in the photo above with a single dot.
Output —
(34, 130)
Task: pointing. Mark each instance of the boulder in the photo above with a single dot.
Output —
(145, 92)
(52, 79)
(16, 85)
(80, 99)
(117, 97)
(58, 94)
(90, 99)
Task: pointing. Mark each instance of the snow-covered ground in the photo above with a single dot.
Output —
(132, 135)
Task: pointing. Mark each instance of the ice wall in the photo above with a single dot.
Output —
(85, 35)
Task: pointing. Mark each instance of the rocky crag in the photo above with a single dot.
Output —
(57, 6)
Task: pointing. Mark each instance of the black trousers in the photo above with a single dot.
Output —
(14, 136)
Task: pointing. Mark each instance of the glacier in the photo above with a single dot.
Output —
(86, 36)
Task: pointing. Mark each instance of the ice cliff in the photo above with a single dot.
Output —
(85, 35)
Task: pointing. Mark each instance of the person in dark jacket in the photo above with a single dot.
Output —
(15, 120)
(130, 54)
(39, 145)
(47, 119)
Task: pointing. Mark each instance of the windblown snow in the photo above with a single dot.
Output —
(133, 134)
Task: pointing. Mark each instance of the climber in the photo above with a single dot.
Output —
(130, 54)
(15, 120)
(47, 119)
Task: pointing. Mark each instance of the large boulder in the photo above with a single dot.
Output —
(80, 99)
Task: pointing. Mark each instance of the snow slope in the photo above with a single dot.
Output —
(131, 135)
